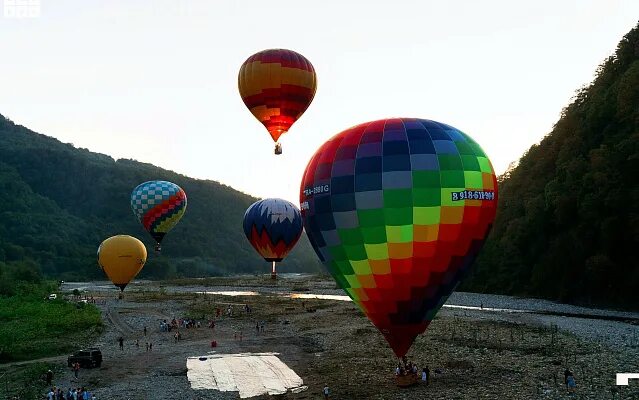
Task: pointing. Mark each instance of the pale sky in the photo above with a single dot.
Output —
(156, 80)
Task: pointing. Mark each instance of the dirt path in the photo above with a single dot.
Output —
(38, 360)
(113, 315)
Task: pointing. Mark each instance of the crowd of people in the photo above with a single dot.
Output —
(408, 368)
(229, 310)
(186, 323)
(80, 393)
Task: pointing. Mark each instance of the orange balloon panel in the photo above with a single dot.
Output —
(121, 258)
(277, 85)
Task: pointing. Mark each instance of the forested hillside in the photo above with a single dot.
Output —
(567, 227)
(568, 221)
(57, 203)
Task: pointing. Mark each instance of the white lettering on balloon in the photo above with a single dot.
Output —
(473, 195)
(317, 190)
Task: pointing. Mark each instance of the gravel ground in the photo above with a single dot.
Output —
(612, 333)
(316, 346)
(134, 373)
(499, 301)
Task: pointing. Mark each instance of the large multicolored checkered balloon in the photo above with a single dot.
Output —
(277, 85)
(398, 209)
(158, 205)
(273, 226)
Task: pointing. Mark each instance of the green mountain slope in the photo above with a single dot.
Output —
(568, 221)
(57, 203)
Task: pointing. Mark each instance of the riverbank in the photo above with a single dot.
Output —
(479, 353)
(610, 327)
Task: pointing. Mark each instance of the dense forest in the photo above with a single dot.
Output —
(568, 221)
(57, 204)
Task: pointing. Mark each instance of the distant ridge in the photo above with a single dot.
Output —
(58, 202)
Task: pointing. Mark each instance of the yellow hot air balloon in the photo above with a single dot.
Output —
(121, 258)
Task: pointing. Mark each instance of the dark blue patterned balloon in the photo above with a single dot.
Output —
(273, 226)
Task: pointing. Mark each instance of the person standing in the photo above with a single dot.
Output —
(425, 375)
(326, 391)
(145, 331)
(49, 377)
(567, 373)
(76, 369)
(121, 341)
(570, 382)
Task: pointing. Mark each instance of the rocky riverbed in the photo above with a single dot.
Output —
(518, 353)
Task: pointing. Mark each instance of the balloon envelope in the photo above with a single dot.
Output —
(121, 258)
(159, 206)
(397, 210)
(273, 227)
(277, 86)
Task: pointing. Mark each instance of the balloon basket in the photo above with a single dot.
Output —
(278, 148)
(158, 248)
(273, 272)
(406, 380)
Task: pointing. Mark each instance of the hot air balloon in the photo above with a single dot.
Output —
(158, 205)
(277, 86)
(121, 258)
(397, 210)
(273, 227)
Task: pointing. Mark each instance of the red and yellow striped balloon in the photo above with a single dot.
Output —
(277, 85)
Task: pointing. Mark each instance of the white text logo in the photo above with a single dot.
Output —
(21, 8)
(622, 379)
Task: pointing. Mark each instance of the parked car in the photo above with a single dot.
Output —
(88, 358)
(53, 296)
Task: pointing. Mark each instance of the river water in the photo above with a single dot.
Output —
(611, 327)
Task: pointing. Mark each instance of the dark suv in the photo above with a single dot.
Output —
(88, 358)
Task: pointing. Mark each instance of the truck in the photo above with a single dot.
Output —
(88, 358)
